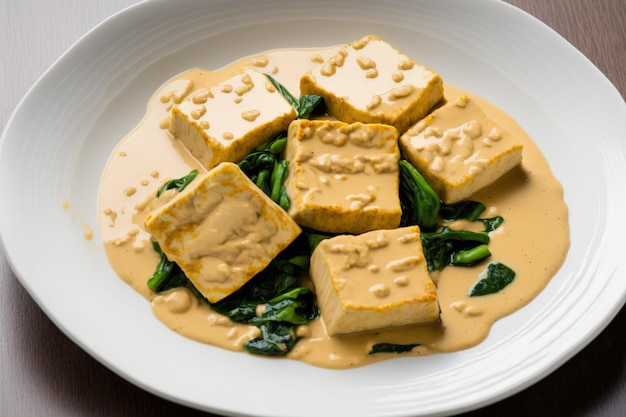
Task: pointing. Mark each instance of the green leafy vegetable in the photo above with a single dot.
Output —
(305, 105)
(295, 306)
(308, 104)
(278, 193)
(179, 184)
(274, 146)
(268, 171)
(280, 277)
(492, 223)
(285, 304)
(467, 210)
(392, 348)
(276, 339)
(471, 211)
(469, 257)
(493, 279)
(279, 319)
(420, 204)
(167, 275)
(291, 99)
(314, 238)
(440, 247)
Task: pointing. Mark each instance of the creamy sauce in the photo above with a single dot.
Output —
(533, 240)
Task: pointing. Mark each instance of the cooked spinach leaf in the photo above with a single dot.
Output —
(304, 106)
(280, 277)
(469, 257)
(492, 223)
(275, 146)
(494, 278)
(471, 211)
(308, 103)
(392, 348)
(295, 307)
(167, 274)
(278, 192)
(277, 339)
(440, 247)
(284, 303)
(314, 238)
(420, 204)
(179, 183)
(466, 210)
(277, 321)
(268, 171)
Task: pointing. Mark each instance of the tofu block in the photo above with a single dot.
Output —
(227, 121)
(459, 150)
(369, 81)
(375, 280)
(221, 230)
(343, 178)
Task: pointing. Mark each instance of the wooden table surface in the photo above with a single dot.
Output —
(43, 373)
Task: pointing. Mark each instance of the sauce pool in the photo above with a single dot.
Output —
(533, 240)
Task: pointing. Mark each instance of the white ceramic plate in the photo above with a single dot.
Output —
(56, 144)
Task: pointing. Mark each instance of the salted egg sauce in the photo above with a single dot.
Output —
(533, 239)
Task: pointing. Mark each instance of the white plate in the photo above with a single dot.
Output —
(57, 142)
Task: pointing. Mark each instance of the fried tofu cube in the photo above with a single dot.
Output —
(370, 81)
(371, 281)
(227, 121)
(459, 150)
(343, 178)
(221, 230)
